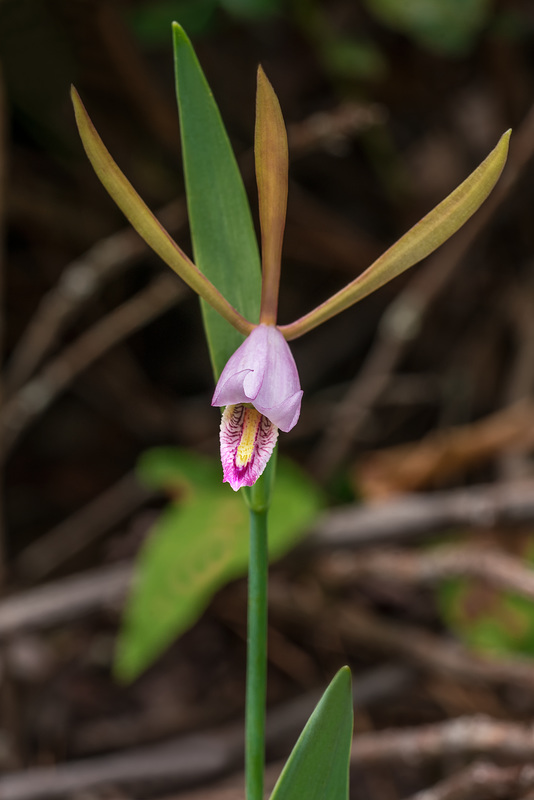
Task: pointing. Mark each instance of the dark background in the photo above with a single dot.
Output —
(385, 116)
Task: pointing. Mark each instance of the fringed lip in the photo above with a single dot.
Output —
(248, 439)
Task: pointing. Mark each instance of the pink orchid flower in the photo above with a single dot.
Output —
(261, 391)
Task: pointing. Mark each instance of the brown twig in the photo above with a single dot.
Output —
(64, 600)
(26, 406)
(80, 282)
(447, 453)
(404, 317)
(360, 628)
(179, 763)
(412, 516)
(432, 653)
(463, 736)
(334, 128)
(73, 535)
(231, 788)
(481, 781)
(490, 565)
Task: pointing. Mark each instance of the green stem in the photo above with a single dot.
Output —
(256, 656)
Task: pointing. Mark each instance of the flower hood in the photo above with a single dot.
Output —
(262, 372)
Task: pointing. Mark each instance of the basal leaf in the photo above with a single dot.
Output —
(224, 241)
(318, 767)
(198, 544)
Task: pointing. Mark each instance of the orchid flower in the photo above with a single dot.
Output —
(259, 386)
(261, 391)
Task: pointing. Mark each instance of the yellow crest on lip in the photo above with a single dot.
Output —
(248, 439)
(249, 432)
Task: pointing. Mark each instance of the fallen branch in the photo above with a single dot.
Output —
(28, 403)
(178, 763)
(406, 518)
(481, 781)
(434, 654)
(113, 506)
(490, 565)
(359, 628)
(81, 281)
(64, 600)
(464, 736)
(445, 454)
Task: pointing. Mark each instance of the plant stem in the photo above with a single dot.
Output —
(256, 656)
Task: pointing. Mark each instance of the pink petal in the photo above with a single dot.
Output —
(286, 414)
(262, 371)
(229, 389)
(247, 443)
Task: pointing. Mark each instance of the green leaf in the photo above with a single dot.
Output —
(490, 621)
(421, 240)
(318, 767)
(224, 241)
(198, 544)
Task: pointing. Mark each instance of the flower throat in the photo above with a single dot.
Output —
(249, 432)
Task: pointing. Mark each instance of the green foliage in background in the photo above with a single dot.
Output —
(489, 620)
(150, 21)
(450, 27)
(252, 9)
(198, 544)
(356, 58)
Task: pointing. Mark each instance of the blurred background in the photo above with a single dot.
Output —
(424, 387)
